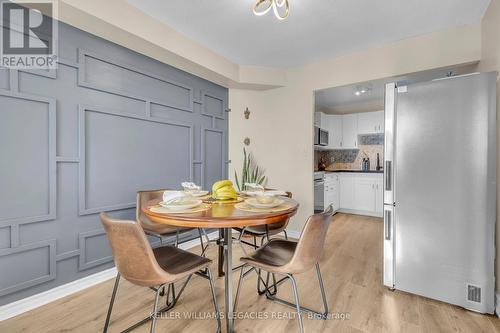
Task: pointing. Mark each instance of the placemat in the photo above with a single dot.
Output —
(246, 207)
(222, 202)
(162, 210)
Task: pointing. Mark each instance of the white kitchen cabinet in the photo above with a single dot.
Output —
(371, 122)
(320, 120)
(334, 131)
(332, 191)
(361, 193)
(364, 194)
(346, 190)
(350, 131)
(379, 195)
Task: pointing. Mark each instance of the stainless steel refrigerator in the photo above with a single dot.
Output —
(440, 189)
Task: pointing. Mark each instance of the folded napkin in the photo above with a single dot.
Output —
(255, 186)
(170, 196)
(191, 186)
(275, 192)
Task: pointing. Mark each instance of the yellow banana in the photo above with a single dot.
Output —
(221, 183)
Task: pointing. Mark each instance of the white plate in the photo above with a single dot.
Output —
(182, 205)
(251, 193)
(254, 203)
(269, 192)
(199, 193)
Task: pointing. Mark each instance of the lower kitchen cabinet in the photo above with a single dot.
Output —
(346, 190)
(364, 194)
(361, 193)
(332, 191)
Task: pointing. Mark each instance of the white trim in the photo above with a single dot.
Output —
(29, 303)
(293, 234)
(497, 304)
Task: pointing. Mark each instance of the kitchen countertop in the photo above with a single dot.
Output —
(354, 171)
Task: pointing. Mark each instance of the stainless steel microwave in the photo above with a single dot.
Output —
(320, 137)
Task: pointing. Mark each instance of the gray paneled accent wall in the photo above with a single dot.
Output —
(83, 139)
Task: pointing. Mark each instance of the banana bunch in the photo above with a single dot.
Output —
(223, 190)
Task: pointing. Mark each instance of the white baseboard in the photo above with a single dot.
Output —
(293, 234)
(497, 304)
(29, 303)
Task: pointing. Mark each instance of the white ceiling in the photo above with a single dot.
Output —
(315, 29)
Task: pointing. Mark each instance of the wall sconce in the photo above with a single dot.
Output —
(247, 113)
(246, 141)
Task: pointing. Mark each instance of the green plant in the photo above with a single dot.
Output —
(251, 173)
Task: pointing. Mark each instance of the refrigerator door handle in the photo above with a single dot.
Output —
(388, 177)
(387, 228)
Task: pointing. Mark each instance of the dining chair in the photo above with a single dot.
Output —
(265, 232)
(159, 230)
(142, 265)
(287, 258)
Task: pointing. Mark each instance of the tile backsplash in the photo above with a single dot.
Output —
(369, 146)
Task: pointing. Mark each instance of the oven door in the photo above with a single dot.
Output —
(319, 195)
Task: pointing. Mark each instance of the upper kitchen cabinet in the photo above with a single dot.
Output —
(334, 131)
(371, 122)
(350, 131)
(320, 120)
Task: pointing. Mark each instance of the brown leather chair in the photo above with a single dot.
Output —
(156, 268)
(159, 230)
(264, 231)
(290, 257)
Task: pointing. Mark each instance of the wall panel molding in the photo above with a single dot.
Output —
(220, 112)
(82, 73)
(51, 262)
(51, 153)
(204, 154)
(82, 193)
(83, 263)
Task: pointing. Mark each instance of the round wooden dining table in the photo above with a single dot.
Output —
(223, 216)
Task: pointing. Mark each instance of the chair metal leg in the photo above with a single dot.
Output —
(286, 235)
(239, 287)
(111, 302)
(177, 238)
(154, 314)
(201, 243)
(296, 296)
(214, 300)
(220, 260)
(240, 242)
(259, 278)
(324, 315)
(322, 288)
(170, 295)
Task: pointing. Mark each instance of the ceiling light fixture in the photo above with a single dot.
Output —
(280, 8)
(362, 91)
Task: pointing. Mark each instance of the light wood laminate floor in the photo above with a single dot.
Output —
(351, 267)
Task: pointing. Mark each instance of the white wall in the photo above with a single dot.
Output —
(491, 62)
(280, 125)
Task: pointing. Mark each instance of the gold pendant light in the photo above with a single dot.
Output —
(280, 8)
